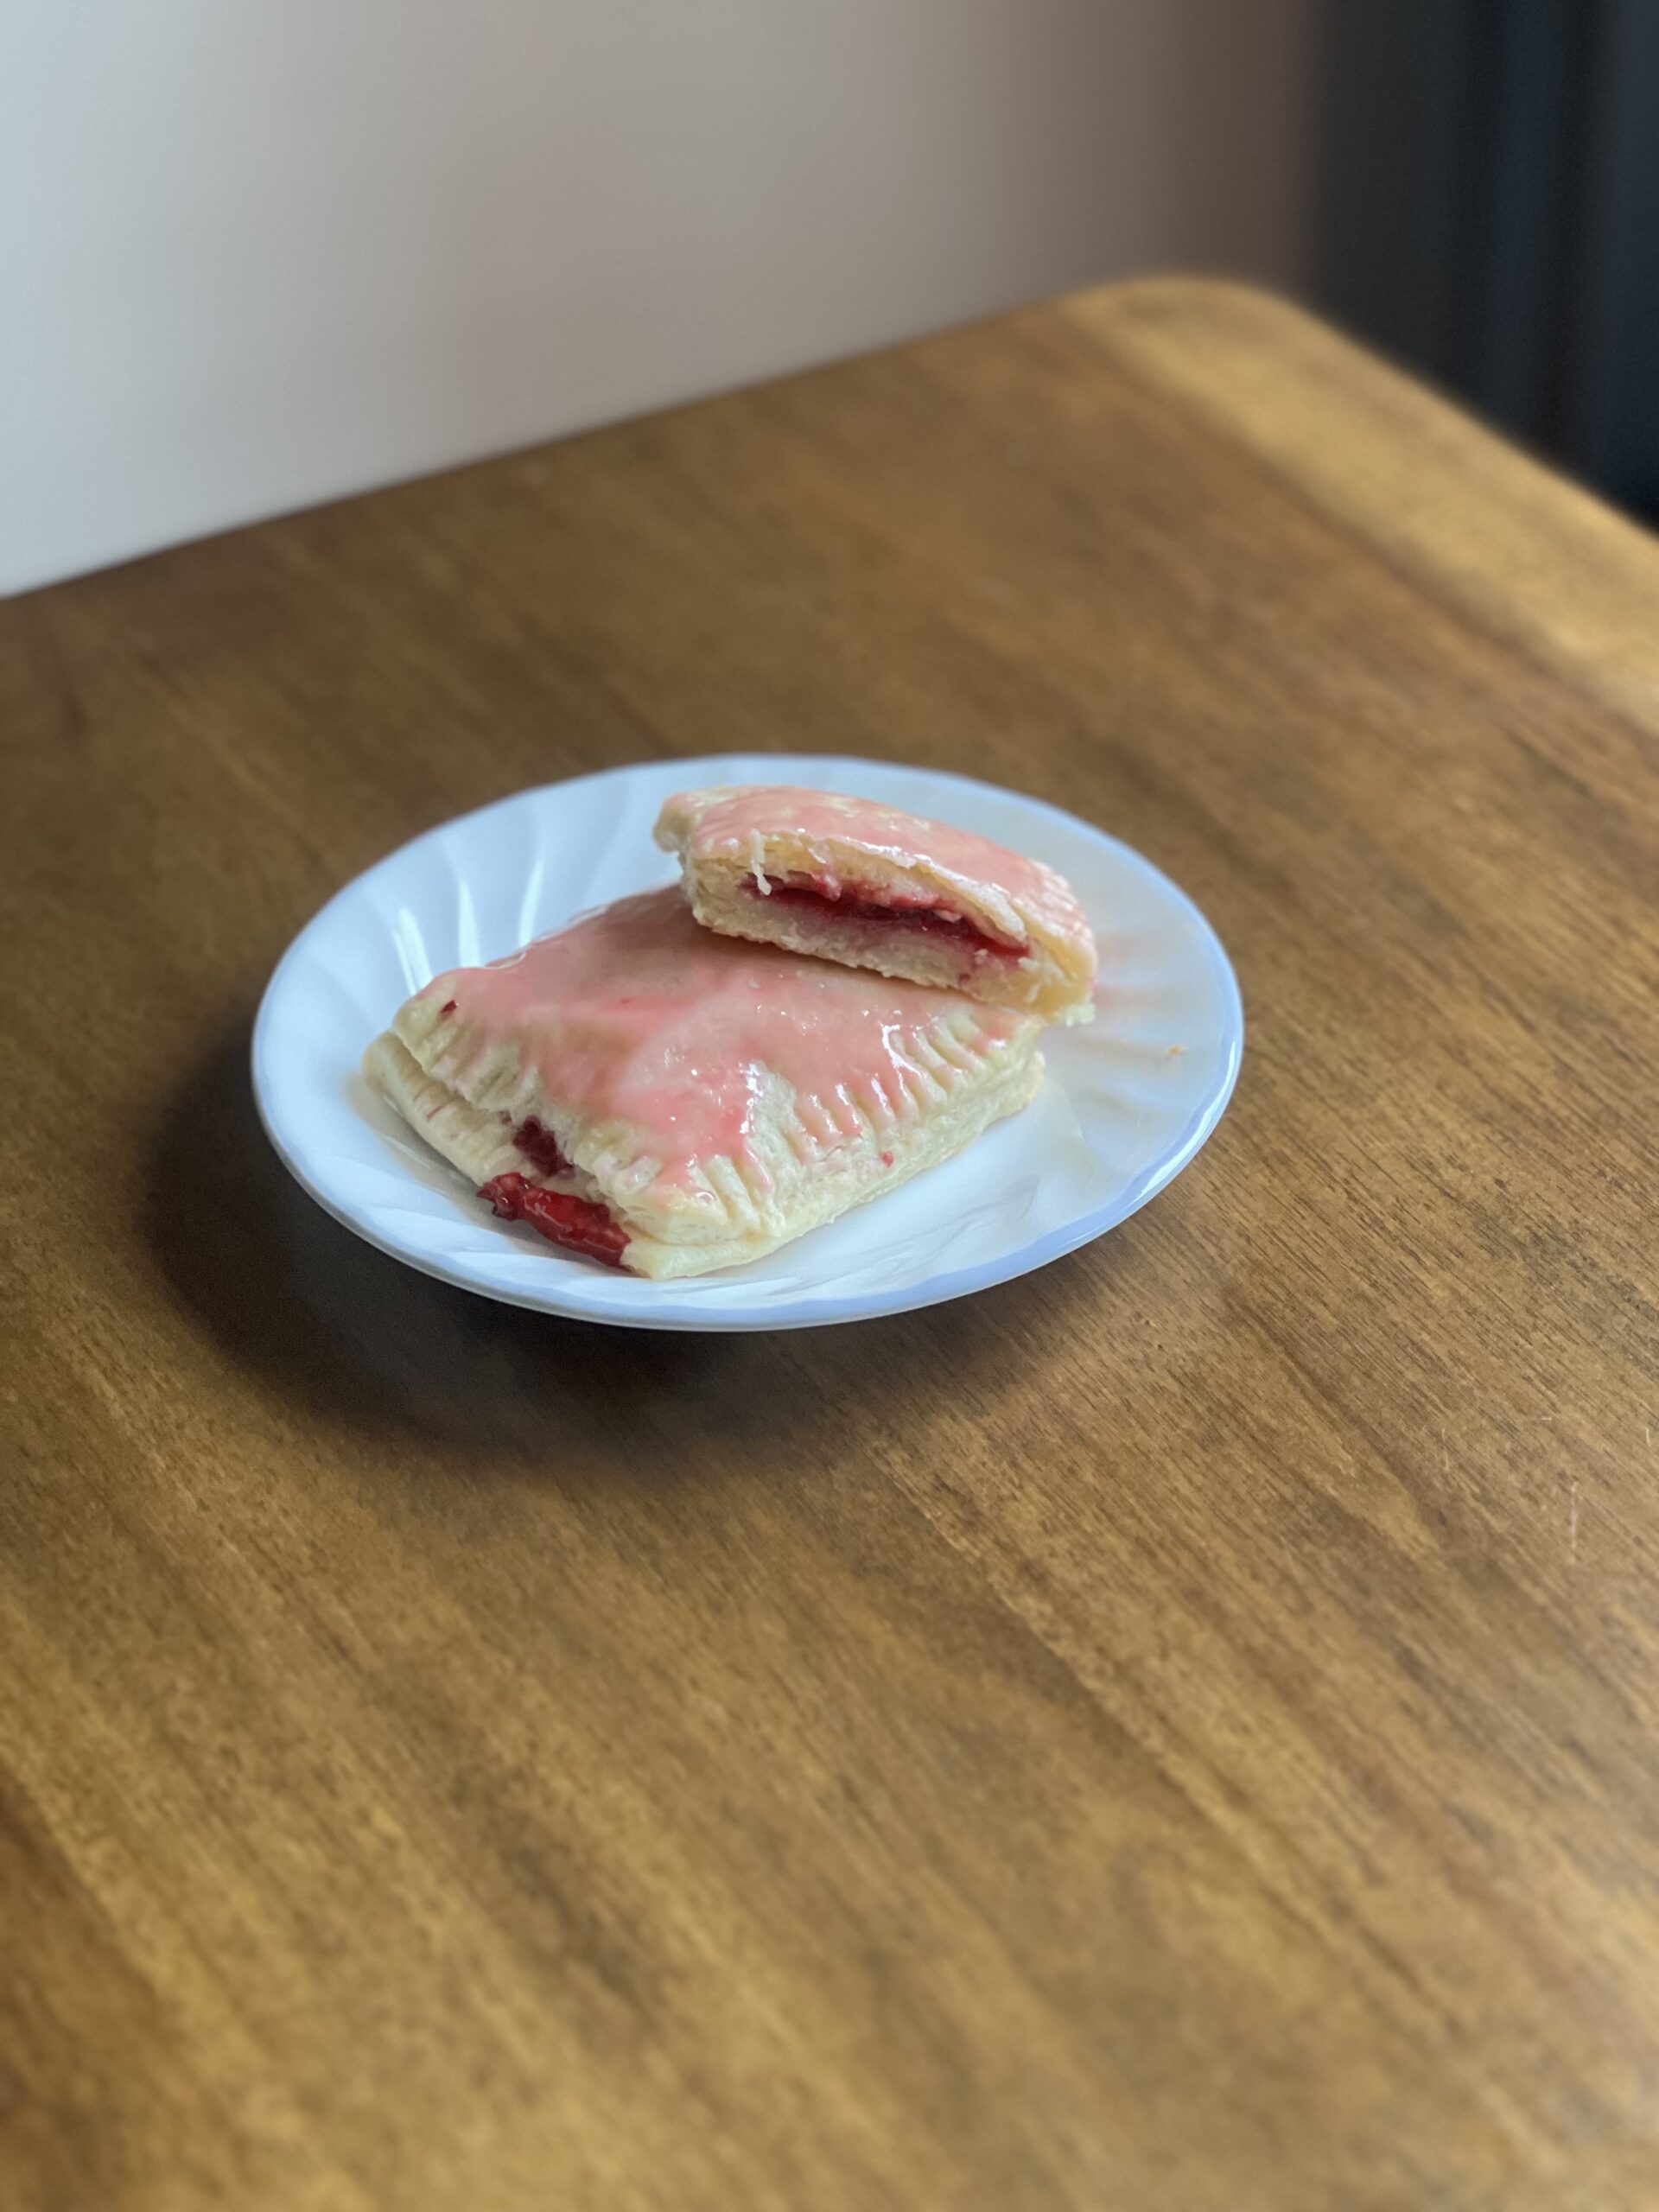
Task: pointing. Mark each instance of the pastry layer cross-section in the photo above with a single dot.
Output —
(850, 880)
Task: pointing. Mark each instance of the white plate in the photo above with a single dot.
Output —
(1129, 1098)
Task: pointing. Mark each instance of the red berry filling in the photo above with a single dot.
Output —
(577, 1223)
(930, 916)
(538, 1143)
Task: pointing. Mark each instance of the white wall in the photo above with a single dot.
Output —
(254, 254)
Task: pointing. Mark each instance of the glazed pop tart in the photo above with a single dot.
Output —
(671, 1101)
(850, 880)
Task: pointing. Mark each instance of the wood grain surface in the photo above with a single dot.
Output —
(1175, 1732)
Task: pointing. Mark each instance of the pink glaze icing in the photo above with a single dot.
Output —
(639, 1014)
(728, 822)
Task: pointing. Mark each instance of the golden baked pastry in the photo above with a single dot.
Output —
(847, 879)
(673, 1102)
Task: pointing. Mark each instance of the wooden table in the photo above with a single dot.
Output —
(1176, 1732)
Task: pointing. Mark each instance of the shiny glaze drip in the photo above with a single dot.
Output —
(728, 822)
(639, 1016)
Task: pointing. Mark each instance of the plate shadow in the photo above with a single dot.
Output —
(345, 1334)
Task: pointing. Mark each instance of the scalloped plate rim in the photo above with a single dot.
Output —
(662, 1306)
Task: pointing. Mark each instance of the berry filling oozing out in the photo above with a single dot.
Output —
(576, 1223)
(538, 1144)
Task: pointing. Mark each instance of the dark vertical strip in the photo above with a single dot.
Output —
(1490, 213)
(1527, 113)
(1610, 414)
(1396, 162)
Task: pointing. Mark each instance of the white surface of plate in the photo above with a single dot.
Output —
(1130, 1097)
